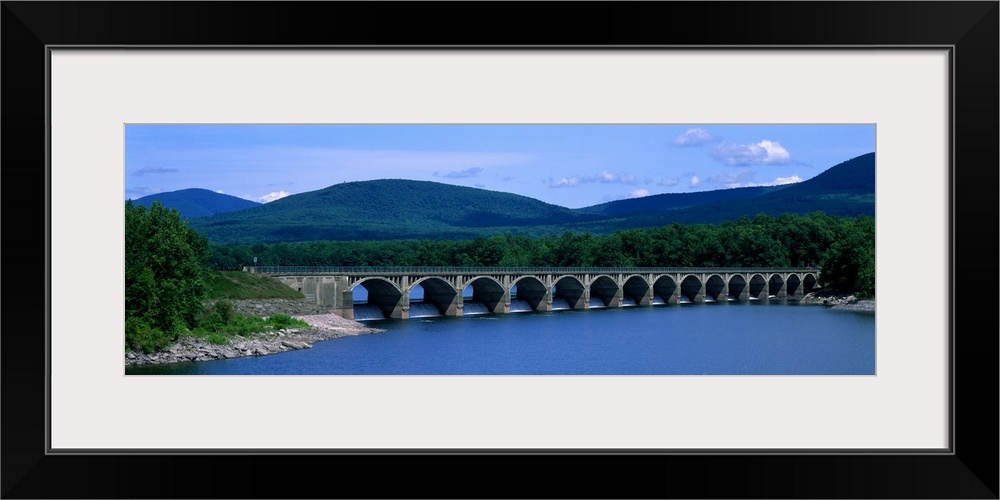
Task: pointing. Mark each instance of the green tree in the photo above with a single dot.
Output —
(849, 263)
(164, 264)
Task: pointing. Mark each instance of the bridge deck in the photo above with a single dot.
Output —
(367, 271)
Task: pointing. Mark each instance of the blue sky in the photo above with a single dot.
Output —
(570, 165)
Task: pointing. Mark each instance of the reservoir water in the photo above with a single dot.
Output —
(721, 338)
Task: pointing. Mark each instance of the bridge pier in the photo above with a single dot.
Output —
(647, 298)
(545, 304)
(616, 301)
(401, 310)
(583, 302)
(343, 305)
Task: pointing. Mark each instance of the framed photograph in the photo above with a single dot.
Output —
(81, 77)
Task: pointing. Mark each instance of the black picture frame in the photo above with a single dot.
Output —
(969, 28)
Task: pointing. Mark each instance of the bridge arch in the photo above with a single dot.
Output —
(758, 287)
(714, 288)
(385, 299)
(604, 292)
(793, 285)
(636, 291)
(487, 293)
(775, 286)
(808, 282)
(532, 291)
(738, 290)
(439, 294)
(665, 290)
(691, 289)
(571, 290)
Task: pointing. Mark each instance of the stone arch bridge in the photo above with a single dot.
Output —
(495, 289)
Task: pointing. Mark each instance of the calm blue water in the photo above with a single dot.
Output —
(730, 339)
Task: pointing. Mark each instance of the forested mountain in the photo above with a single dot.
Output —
(384, 210)
(677, 201)
(404, 209)
(847, 190)
(194, 203)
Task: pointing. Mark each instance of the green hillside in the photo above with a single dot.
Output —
(194, 203)
(384, 209)
(240, 285)
(397, 209)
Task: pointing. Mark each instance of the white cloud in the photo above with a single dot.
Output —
(694, 181)
(786, 180)
(275, 195)
(693, 137)
(565, 182)
(604, 177)
(609, 178)
(639, 193)
(669, 182)
(153, 170)
(763, 153)
(460, 174)
(219, 191)
(744, 178)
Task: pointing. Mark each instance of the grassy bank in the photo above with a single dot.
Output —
(217, 322)
(220, 323)
(238, 285)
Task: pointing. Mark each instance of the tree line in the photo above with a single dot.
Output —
(843, 246)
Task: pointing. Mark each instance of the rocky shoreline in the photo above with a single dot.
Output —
(839, 302)
(323, 326)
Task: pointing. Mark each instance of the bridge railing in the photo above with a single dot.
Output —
(516, 270)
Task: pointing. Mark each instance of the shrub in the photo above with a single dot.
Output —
(141, 336)
(217, 339)
(279, 321)
(217, 315)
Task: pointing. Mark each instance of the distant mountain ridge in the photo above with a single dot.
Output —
(196, 202)
(405, 209)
